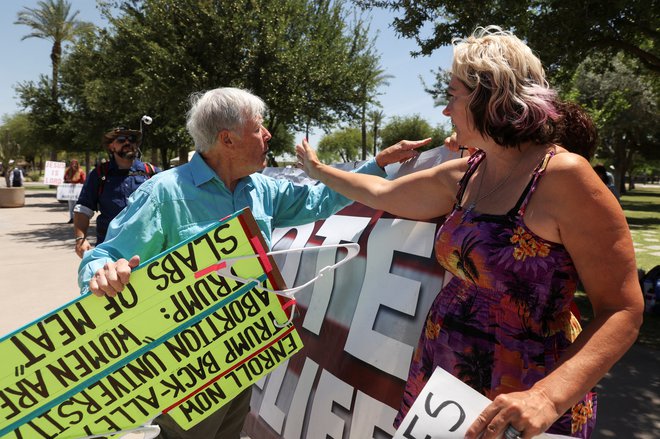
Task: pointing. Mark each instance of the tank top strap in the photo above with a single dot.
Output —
(521, 205)
(473, 163)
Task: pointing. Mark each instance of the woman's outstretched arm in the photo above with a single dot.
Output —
(421, 195)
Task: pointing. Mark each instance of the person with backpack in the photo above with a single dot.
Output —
(16, 178)
(109, 185)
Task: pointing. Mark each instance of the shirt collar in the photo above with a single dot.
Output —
(202, 173)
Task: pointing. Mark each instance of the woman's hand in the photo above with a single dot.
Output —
(530, 413)
(452, 144)
(307, 159)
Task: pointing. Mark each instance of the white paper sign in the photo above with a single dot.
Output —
(54, 173)
(68, 191)
(445, 409)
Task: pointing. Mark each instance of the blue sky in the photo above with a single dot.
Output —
(26, 60)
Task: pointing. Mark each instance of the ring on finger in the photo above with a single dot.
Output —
(512, 433)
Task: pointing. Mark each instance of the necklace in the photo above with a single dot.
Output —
(494, 189)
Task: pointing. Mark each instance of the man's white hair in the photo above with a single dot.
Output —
(219, 109)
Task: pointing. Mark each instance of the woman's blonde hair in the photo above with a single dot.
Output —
(510, 99)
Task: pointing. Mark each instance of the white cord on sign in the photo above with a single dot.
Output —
(352, 249)
(150, 431)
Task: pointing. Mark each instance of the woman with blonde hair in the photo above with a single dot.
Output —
(516, 240)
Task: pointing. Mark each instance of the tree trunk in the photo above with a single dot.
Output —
(55, 56)
(364, 132)
(154, 158)
(183, 155)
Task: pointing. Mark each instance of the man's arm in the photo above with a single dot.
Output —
(83, 212)
(80, 227)
(136, 232)
(400, 152)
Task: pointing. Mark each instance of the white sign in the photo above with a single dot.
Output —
(54, 173)
(445, 409)
(68, 191)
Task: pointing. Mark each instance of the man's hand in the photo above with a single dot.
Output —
(400, 152)
(113, 277)
(452, 144)
(82, 245)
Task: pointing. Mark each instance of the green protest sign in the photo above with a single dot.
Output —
(180, 339)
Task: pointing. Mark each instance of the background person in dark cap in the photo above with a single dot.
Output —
(109, 185)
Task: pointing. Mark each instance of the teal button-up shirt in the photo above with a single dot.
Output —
(179, 203)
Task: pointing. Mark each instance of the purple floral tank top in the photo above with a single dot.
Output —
(502, 322)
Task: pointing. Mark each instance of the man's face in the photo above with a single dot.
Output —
(125, 146)
(254, 139)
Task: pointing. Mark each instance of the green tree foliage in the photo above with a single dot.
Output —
(45, 115)
(563, 32)
(17, 140)
(342, 145)
(624, 106)
(300, 56)
(412, 128)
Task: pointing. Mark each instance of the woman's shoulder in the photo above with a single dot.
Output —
(569, 176)
(451, 171)
(566, 165)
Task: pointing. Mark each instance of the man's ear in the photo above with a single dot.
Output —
(227, 138)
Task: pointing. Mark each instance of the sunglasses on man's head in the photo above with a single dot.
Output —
(122, 139)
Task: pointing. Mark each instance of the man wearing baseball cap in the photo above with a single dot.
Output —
(109, 185)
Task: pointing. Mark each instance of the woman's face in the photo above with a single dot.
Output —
(457, 109)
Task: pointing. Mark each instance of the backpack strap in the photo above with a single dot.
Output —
(102, 174)
(149, 169)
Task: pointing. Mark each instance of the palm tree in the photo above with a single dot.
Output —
(475, 368)
(465, 264)
(376, 117)
(52, 20)
(374, 79)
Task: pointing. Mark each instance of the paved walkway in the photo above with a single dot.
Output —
(38, 273)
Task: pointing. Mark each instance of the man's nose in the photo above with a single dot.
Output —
(266, 134)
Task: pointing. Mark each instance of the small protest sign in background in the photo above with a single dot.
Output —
(54, 173)
(68, 191)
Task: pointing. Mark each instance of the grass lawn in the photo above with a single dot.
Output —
(38, 187)
(642, 209)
